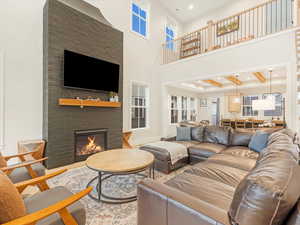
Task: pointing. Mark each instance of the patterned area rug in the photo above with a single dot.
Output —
(106, 214)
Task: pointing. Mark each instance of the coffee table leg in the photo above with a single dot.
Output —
(99, 186)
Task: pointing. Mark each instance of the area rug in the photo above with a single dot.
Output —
(106, 214)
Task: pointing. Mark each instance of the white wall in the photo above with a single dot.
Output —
(21, 41)
(226, 11)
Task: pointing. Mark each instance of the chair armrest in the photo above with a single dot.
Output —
(18, 155)
(22, 185)
(22, 164)
(158, 202)
(56, 208)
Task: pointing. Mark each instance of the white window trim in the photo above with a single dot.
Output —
(242, 105)
(147, 9)
(147, 106)
(2, 102)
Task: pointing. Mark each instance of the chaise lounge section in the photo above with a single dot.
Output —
(235, 186)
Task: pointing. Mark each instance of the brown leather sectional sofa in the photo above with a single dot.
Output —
(231, 186)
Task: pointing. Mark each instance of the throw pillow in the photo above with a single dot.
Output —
(183, 134)
(197, 133)
(259, 141)
(3, 162)
(11, 203)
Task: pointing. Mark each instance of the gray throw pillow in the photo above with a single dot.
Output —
(197, 133)
(183, 134)
(259, 141)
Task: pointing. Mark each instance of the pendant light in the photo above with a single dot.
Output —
(237, 98)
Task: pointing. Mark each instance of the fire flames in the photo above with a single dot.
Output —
(91, 147)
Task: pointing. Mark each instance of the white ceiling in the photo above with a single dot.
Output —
(180, 8)
(248, 79)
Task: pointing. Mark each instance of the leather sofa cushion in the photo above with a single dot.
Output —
(241, 151)
(268, 192)
(206, 149)
(294, 218)
(241, 138)
(218, 172)
(44, 199)
(217, 135)
(198, 133)
(11, 203)
(233, 161)
(206, 189)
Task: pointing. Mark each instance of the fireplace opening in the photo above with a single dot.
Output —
(88, 142)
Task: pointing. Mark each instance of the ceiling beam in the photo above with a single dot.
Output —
(260, 76)
(213, 83)
(234, 80)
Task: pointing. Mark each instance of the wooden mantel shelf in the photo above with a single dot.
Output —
(87, 103)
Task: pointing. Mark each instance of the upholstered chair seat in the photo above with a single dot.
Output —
(47, 198)
(21, 174)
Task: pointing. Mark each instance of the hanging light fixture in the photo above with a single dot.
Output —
(237, 98)
(269, 102)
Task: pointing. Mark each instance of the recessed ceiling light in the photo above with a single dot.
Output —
(191, 6)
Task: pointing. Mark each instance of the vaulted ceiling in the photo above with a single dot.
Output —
(187, 10)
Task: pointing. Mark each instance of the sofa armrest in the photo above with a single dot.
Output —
(163, 205)
(168, 139)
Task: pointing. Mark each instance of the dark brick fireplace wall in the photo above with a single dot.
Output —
(67, 27)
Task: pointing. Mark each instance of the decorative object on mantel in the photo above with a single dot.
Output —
(228, 27)
(88, 102)
(113, 97)
(203, 102)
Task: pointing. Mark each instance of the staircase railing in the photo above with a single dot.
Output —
(265, 19)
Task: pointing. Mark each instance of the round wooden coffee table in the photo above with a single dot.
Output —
(118, 163)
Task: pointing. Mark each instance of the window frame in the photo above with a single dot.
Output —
(184, 108)
(193, 109)
(177, 108)
(146, 107)
(169, 43)
(276, 105)
(243, 106)
(147, 19)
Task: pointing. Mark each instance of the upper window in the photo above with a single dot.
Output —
(170, 38)
(247, 106)
(139, 20)
(139, 106)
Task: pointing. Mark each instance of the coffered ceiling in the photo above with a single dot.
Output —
(187, 10)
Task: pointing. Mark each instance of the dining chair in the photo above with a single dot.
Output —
(240, 124)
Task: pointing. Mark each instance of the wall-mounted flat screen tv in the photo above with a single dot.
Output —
(84, 72)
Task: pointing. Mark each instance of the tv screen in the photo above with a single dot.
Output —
(89, 73)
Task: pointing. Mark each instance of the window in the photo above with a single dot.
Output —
(247, 106)
(193, 111)
(184, 109)
(170, 38)
(139, 21)
(139, 106)
(278, 105)
(174, 109)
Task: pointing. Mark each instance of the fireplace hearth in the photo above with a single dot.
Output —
(88, 142)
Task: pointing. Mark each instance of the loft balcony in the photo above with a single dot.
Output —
(263, 20)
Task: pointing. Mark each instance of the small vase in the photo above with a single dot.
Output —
(111, 99)
(116, 98)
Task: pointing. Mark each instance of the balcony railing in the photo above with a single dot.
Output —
(265, 19)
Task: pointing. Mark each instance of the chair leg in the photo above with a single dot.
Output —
(43, 186)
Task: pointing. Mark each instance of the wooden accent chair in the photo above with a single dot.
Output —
(25, 169)
(52, 206)
(226, 123)
(36, 146)
(240, 124)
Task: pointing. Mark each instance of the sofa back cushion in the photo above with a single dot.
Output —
(11, 203)
(294, 218)
(197, 133)
(217, 135)
(269, 192)
(241, 138)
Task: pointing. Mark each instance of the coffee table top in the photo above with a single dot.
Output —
(121, 160)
